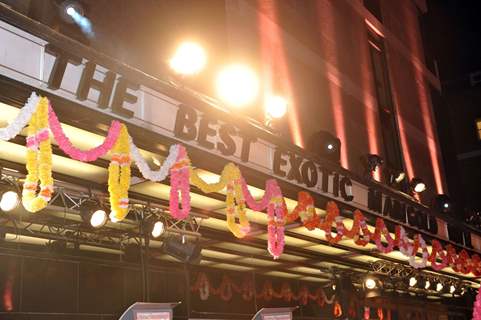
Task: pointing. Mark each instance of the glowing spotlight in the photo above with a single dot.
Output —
(330, 146)
(443, 203)
(427, 284)
(413, 281)
(98, 219)
(9, 199)
(237, 85)
(70, 11)
(370, 283)
(452, 289)
(276, 106)
(418, 185)
(439, 287)
(92, 214)
(158, 229)
(189, 59)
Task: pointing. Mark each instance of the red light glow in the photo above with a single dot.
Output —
(275, 64)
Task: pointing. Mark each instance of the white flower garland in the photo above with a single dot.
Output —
(144, 168)
(21, 120)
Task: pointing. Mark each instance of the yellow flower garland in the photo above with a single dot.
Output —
(39, 161)
(119, 177)
(235, 203)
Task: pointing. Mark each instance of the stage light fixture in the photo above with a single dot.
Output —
(370, 283)
(93, 214)
(275, 106)
(372, 162)
(154, 226)
(396, 176)
(413, 281)
(443, 203)
(189, 59)
(188, 252)
(237, 85)
(325, 145)
(452, 289)
(9, 198)
(439, 287)
(417, 185)
(427, 284)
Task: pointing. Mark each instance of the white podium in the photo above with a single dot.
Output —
(149, 311)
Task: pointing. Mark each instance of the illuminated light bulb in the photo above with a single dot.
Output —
(158, 229)
(98, 218)
(184, 240)
(427, 285)
(370, 283)
(70, 11)
(276, 106)
(9, 201)
(400, 177)
(237, 85)
(189, 59)
(412, 281)
(452, 288)
(333, 287)
(439, 287)
(330, 146)
(446, 205)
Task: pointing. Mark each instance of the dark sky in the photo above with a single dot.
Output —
(453, 36)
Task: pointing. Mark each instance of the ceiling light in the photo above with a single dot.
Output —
(93, 214)
(237, 85)
(427, 284)
(9, 198)
(413, 281)
(158, 229)
(370, 283)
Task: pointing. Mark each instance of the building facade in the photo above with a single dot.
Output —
(352, 69)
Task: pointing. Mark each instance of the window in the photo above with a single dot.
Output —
(387, 114)
(478, 128)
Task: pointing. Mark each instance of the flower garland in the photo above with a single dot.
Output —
(119, 177)
(85, 156)
(246, 290)
(147, 173)
(179, 183)
(477, 307)
(41, 116)
(39, 161)
(21, 120)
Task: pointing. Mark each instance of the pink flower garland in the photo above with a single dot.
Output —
(276, 212)
(180, 182)
(77, 154)
(477, 307)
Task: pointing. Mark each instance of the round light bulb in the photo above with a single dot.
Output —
(70, 11)
(330, 146)
(420, 187)
(370, 283)
(237, 85)
(98, 218)
(452, 288)
(276, 106)
(439, 287)
(412, 281)
(9, 201)
(158, 229)
(427, 284)
(189, 59)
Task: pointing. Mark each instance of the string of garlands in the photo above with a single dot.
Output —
(246, 289)
(41, 119)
